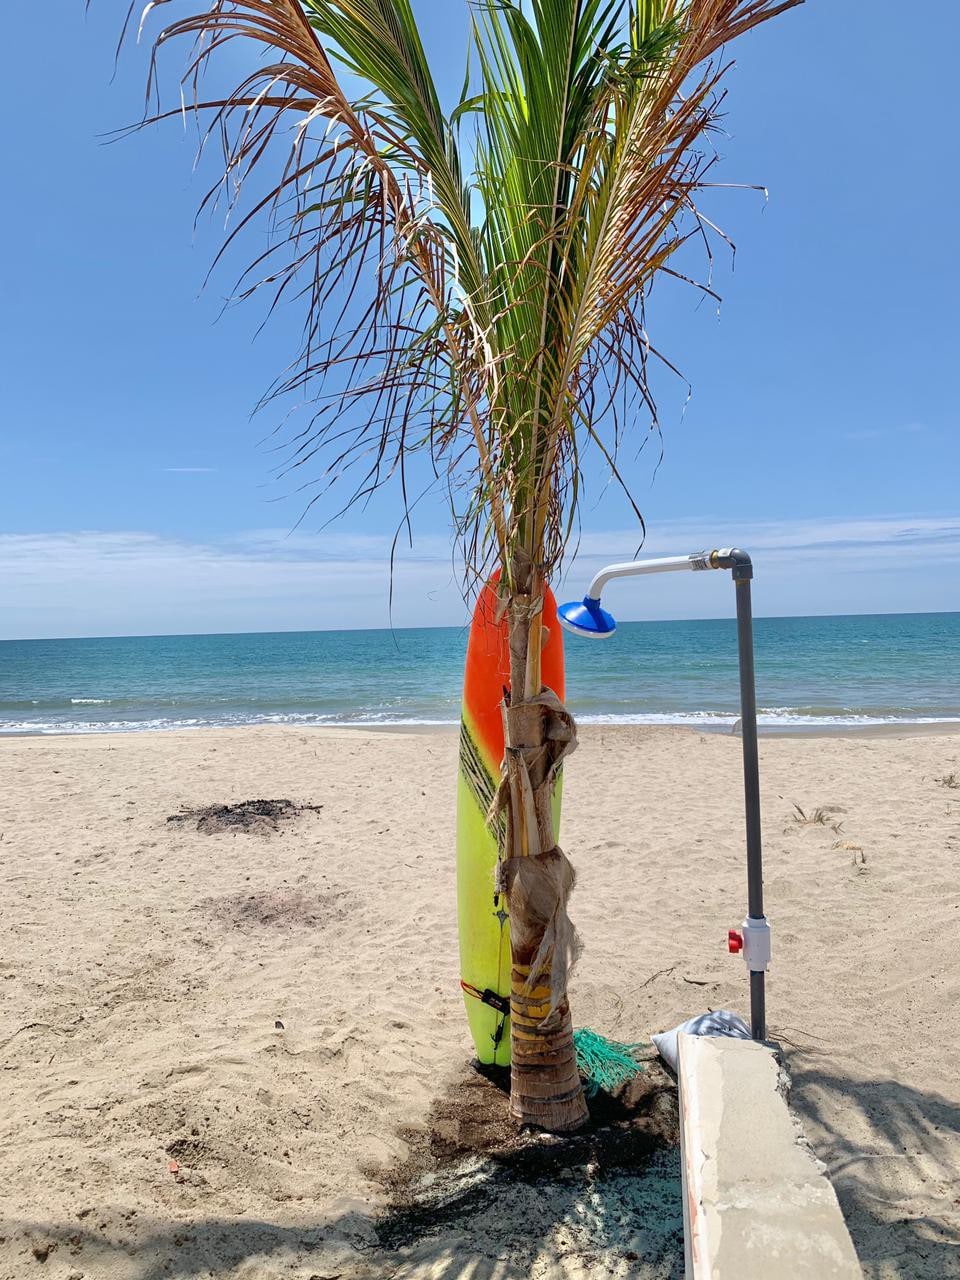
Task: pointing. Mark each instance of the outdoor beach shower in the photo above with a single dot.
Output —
(586, 618)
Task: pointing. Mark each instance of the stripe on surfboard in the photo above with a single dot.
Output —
(483, 786)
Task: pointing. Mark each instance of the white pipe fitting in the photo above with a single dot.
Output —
(756, 944)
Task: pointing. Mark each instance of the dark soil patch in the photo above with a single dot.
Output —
(256, 816)
(278, 909)
(472, 1156)
(187, 1151)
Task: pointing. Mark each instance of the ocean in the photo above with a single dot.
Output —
(864, 670)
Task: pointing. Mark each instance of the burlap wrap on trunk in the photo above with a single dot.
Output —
(540, 733)
(537, 889)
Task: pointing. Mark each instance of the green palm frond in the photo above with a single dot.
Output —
(480, 302)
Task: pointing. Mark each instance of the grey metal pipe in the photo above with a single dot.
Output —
(756, 932)
(742, 574)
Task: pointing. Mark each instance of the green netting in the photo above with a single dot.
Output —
(604, 1063)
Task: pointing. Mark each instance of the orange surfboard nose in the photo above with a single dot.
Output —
(488, 668)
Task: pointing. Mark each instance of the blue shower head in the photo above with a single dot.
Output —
(586, 618)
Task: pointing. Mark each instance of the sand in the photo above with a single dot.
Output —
(244, 1055)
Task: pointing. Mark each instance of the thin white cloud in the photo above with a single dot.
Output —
(875, 535)
(865, 433)
(99, 583)
(889, 434)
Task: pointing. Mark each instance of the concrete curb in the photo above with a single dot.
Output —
(757, 1205)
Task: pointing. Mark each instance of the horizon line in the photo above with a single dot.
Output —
(463, 626)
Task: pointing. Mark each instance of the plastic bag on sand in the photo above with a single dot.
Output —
(719, 1023)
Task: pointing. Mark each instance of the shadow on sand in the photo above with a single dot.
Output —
(473, 1201)
(894, 1158)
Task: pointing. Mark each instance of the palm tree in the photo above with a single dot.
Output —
(474, 286)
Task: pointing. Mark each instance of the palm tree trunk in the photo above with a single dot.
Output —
(545, 1085)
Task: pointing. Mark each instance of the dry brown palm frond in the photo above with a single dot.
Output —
(495, 321)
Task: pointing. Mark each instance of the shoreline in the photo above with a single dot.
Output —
(893, 729)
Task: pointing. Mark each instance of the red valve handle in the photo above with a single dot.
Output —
(734, 941)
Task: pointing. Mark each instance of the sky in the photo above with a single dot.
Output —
(140, 493)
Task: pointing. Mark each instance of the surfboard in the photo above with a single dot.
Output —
(483, 918)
